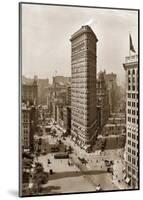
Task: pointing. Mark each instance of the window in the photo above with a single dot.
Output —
(133, 172)
(133, 112)
(133, 71)
(133, 144)
(133, 79)
(129, 134)
(133, 88)
(129, 119)
(129, 168)
(133, 152)
(129, 80)
(133, 161)
(129, 72)
(129, 142)
(133, 136)
(129, 150)
(129, 87)
(129, 111)
(129, 158)
(133, 120)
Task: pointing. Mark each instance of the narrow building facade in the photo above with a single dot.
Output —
(83, 87)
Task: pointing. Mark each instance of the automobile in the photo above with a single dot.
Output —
(54, 149)
(49, 162)
(82, 160)
(110, 169)
(107, 163)
(70, 149)
(44, 153)
(59, 141)
(89, 149)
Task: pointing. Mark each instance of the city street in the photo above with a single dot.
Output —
(78, 176)
(89, 175)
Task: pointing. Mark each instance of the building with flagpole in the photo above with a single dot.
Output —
(132, 126)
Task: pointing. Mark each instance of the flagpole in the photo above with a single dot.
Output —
(129, 44)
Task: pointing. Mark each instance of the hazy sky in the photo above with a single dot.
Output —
(46, 31)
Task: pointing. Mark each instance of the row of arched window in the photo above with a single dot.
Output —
(131, 72)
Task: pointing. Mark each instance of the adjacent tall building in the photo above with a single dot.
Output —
(83, 87)
(25, 124)
(30, 90)
(111, 83)
(132, 146)
(28, 126)
(43, 91)
(102, 96)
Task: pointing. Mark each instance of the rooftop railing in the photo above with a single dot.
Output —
(133, 58)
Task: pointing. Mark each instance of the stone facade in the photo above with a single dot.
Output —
(132, 126)
(102, 100)
(83, 89)
(30, 91)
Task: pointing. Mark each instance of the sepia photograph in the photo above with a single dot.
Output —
(79, 99)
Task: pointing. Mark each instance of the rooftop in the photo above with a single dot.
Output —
(83, 29)
(131, 59)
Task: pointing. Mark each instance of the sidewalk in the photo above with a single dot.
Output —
(118, 175)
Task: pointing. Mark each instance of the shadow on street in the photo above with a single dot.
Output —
(59, 175)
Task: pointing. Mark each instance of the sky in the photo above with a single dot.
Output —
(46, 33)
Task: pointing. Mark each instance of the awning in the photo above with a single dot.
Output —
(127, 180)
